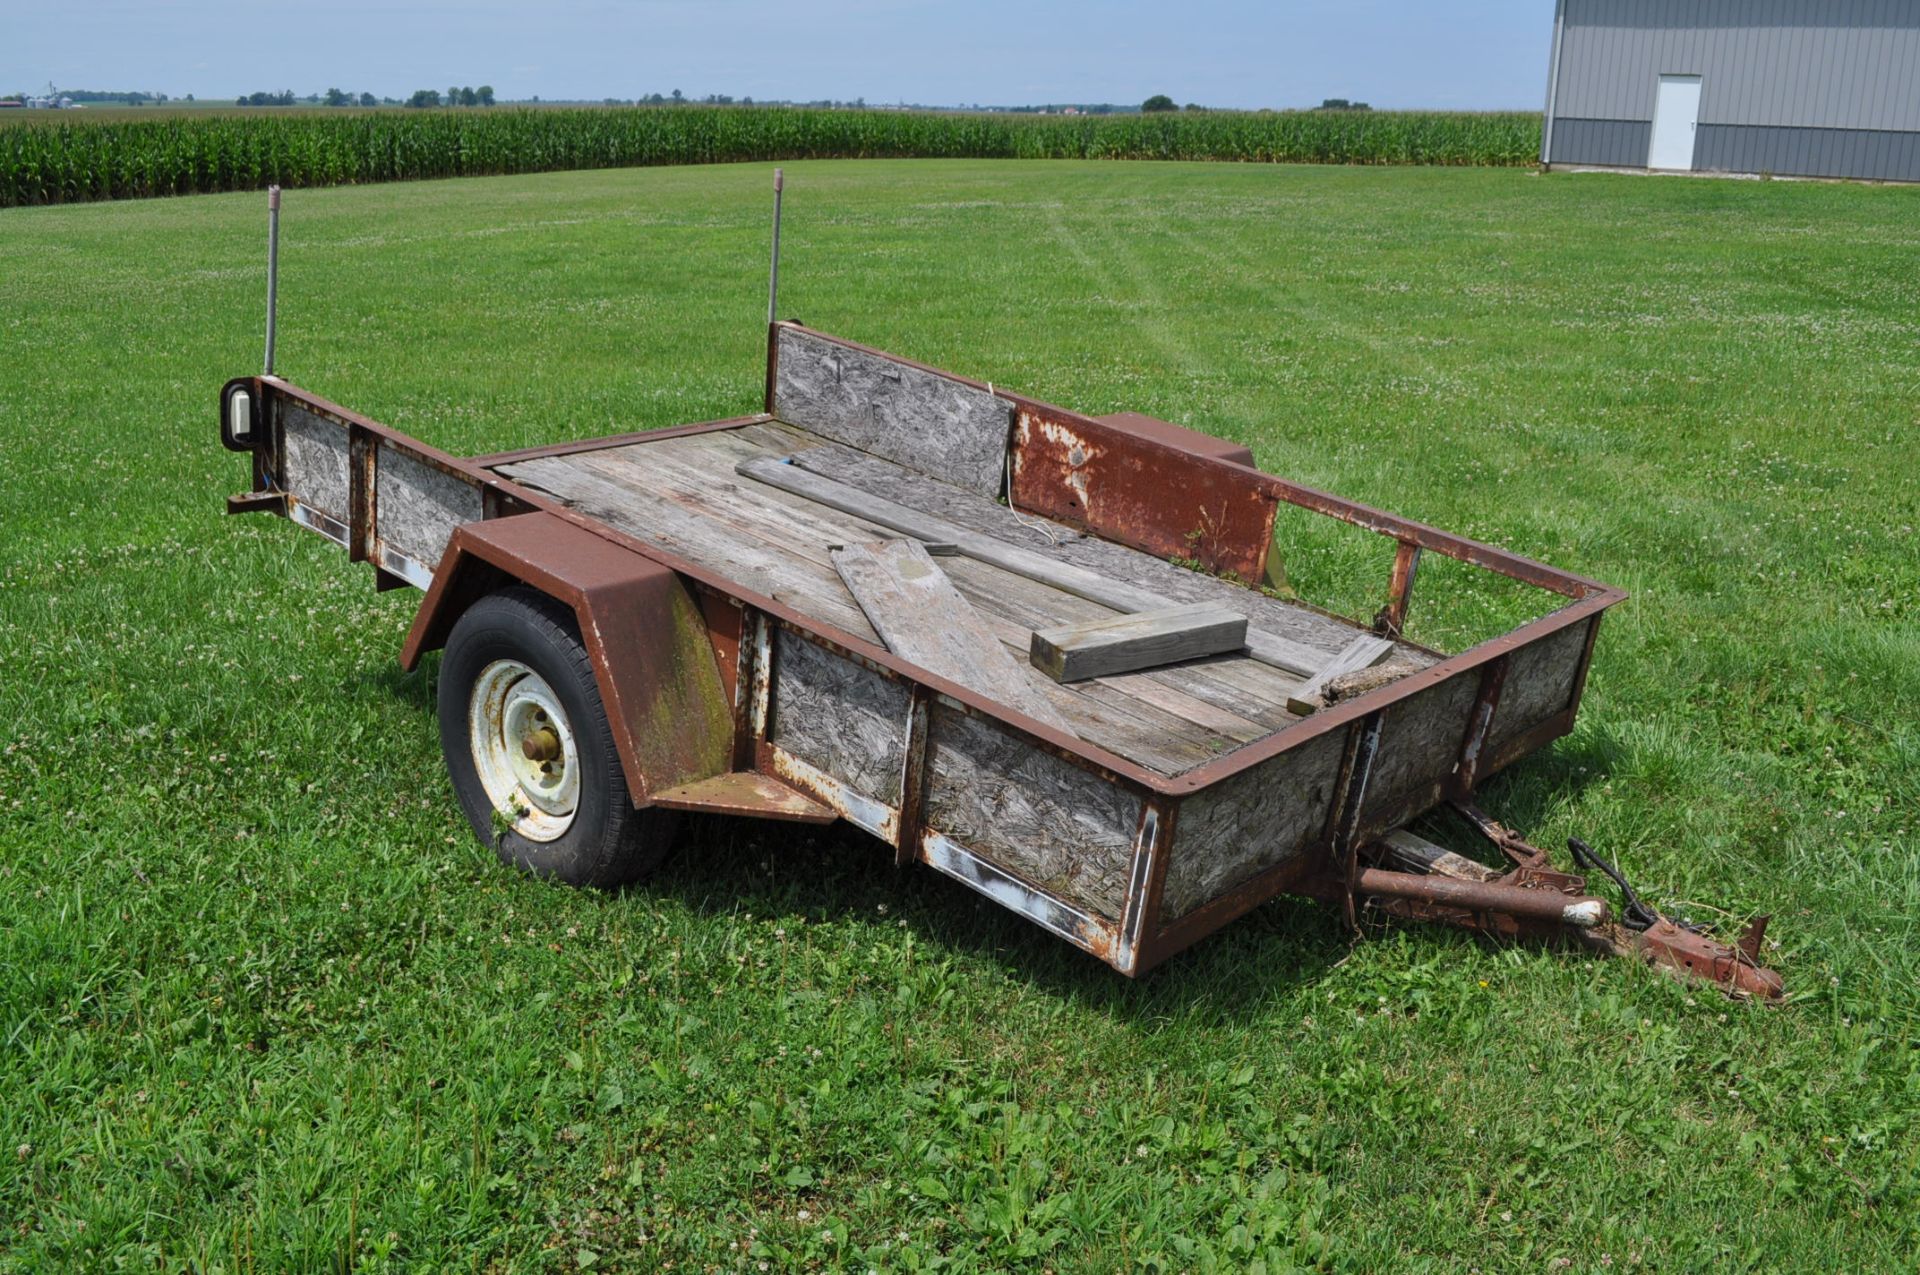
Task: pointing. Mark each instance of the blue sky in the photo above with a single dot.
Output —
(1392, 53)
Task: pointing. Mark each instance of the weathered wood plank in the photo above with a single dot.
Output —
(782, 439)
(795, 526)
(1363, 652)
(1411, 853)
(1251, 693)
(935, 424)
(1142, 640)
(1268, 648)
(1264, 613)
(922, 618)
(656, 517)
(1159, 736)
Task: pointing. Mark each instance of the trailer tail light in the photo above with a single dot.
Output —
(237, 416)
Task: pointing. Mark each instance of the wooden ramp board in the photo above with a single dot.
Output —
(922, 618)
(1143, 640)
(1268, 648)
(1362, 652)
(1320, 632)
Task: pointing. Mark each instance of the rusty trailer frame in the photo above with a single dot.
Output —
(1329, 786)
(425, 517)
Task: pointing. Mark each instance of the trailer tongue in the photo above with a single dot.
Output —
(1533, 900)
(735, 618)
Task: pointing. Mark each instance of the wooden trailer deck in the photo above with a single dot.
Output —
(681, 493)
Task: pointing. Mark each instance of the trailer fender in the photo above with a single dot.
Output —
(652, 660)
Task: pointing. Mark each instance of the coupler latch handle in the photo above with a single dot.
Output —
(1678, 945)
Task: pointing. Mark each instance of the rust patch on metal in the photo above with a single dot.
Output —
(1735, 968)
(1104, 942)
(1139, 491)
(724, 619)
(1466, 772)
(1406, 564)
(1536, 901)
(257, 502)
(1512, 898)
(858, 809)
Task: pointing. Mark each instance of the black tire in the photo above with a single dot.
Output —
(609, 843)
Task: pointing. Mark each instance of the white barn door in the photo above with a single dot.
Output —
(1675, 112)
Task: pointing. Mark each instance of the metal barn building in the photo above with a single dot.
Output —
(1806, 88)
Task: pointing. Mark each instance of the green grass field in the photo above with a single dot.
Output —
(266, 1005)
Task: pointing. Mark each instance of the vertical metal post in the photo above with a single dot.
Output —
(773, 273)
(273, 267)
(913, 778)
(1553, 83)
(1363, 745)
(1406, 564)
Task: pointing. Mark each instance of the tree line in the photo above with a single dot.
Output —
(465, 95)
(457, 95)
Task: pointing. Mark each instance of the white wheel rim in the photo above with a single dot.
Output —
(523, 750)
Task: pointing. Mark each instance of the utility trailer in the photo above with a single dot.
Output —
(656, 624)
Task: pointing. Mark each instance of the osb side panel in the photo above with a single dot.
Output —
(1420, 741)
(839, 717)
(417, 507)
(1539, 684)
(939, 427)
(1031, 813)
(1241, 827)
(314, 465)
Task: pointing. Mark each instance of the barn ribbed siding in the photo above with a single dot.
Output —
(1827, 88)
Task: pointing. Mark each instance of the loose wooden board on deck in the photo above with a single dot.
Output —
(1142, 640)
(922, 618)
(1362, 652)
(1269, 648)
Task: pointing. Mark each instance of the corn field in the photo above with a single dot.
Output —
(58, 163)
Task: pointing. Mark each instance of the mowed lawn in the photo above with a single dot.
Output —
(266, 1005)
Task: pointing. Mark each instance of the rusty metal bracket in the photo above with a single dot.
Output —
(1735, 969)
(1357, 773)
(1391, 620)
(1507, 842)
